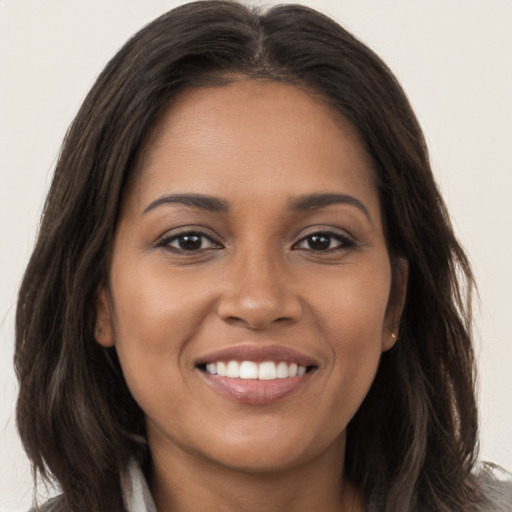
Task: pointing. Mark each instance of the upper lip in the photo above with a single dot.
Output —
(259, 353)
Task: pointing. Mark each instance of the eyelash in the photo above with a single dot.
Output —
(167, 241)
(344, 242)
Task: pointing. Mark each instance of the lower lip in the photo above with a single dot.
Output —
(255, 391)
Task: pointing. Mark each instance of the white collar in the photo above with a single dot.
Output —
(136, 494)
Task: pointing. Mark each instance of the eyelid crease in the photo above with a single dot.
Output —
(198, 229)
(324, 229)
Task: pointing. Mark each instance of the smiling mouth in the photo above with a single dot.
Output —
(256, 383)
(256, 374)
(252, 370)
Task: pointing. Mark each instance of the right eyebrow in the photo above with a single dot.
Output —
(208, 203)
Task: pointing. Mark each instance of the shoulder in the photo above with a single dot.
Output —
(136, 494)
(498, 495)
(496, 485)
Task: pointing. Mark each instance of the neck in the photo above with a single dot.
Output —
(181, 482)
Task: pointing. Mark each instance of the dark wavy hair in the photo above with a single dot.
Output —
(412, 444)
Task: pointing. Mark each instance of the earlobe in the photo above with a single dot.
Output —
(103, 331)
(389, 340)
(396, 304)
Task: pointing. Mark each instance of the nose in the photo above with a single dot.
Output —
(259, 293)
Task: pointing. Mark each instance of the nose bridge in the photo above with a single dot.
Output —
(261, 277)
(259, 291)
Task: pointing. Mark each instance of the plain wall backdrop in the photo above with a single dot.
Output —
(454, 59)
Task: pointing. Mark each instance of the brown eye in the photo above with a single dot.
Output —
(319, 242)
(189, 242)
(324, 241)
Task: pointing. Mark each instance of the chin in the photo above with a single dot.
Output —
(271, 451)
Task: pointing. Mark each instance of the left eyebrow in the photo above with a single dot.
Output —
(317, 201)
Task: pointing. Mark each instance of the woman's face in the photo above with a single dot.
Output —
(250, 250)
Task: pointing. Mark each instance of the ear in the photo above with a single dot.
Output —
(396, 304)
(104, 329)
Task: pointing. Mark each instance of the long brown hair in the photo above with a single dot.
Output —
(411, 445)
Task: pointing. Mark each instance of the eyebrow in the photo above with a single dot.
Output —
(317, 201)
(299, 204)
(208, 203)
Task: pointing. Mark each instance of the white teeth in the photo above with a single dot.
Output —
(248, 370)
(233, 370)
(267, 370)
(282, 370)
(221, 368)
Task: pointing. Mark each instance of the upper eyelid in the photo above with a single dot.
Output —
(330, 230)
(196, 233)
(168, 237)
(186, 229)
(345, 240)
(339, 236)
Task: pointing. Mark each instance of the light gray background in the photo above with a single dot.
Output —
(454, 59)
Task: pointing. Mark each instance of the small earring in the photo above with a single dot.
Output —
(393, 335)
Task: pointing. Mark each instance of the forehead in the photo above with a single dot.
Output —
(256, 137)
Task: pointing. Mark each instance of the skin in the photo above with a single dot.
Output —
(255, 279)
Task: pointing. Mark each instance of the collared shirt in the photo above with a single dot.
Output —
(136, 494)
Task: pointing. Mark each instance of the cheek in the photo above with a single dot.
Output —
(351, 305)
(154, 305)
(351, 316)
(156, 314)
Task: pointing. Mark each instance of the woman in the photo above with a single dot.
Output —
(246, 280)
